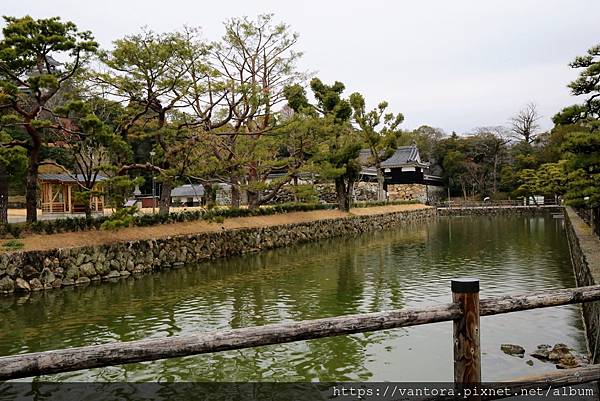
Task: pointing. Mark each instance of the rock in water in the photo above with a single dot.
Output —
(36, 284)
(46, 276)
(7, 285)
(82, 281)
(512, 349)
(22, 285)
(568, 362)
(559, 352)
(542, 352)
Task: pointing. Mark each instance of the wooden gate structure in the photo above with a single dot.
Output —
(464, 311)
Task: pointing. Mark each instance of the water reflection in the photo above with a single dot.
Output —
(406, 267)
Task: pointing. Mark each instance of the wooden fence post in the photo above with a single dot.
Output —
(467, 352)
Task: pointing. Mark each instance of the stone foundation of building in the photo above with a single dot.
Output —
(416, 192)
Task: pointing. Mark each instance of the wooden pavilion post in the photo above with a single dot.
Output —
(467, 352)
(51, 198)
(68, 200)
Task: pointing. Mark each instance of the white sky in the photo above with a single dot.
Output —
(453, 64)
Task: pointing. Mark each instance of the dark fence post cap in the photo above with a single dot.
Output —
(468, 285)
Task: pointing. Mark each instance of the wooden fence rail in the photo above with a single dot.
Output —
(492, 203)
(542, 386)
(94, 356)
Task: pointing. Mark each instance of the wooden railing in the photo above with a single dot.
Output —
(75, 208)
(464, 311)
(53, 207)
(591, 216)
(491, 203)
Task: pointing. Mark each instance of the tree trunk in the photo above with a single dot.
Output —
(343, 194)
(494, 189)
(380, 180)
(31, 195)
(210, 196)
(252, 194)
(295, 188)
(235, 195)
(253, 199)
(87, 208)
(31, 191)
(3, 194)
(164, 204)
(350, 192)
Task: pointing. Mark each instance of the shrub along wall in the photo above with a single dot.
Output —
(74, 224)
(38, 270)
(585, 256)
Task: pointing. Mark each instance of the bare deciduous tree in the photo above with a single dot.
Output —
(494, 141)
(524, 124)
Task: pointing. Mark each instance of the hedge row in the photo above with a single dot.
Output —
(74, 224)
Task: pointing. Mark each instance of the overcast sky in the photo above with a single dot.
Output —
(454, 64)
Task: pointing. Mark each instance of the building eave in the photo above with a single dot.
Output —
(422, 165)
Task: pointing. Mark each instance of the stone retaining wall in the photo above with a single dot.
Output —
(43, 270)
(585, 256)
(497, 210)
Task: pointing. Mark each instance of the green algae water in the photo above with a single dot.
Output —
(410, 266)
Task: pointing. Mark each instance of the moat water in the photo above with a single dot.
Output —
(406, 267)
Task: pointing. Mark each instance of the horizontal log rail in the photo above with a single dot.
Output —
(498, 203)
(562, 377)
(543, 385)
(542, 299)
(117, 353)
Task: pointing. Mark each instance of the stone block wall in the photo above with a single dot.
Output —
(365, 191)
(398, 192)
(26, 271)
(419, 192)
(585, 256)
